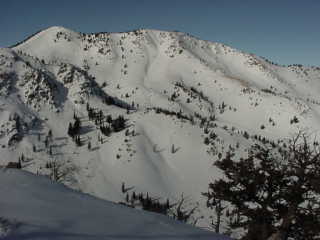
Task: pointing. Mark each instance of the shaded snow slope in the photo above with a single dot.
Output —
(186, 101)
(33, 207)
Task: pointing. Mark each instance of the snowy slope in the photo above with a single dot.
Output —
(33, 207)
(158, 76)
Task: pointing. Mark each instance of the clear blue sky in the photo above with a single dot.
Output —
(284, 31)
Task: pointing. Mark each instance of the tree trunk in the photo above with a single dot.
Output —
(282, 233)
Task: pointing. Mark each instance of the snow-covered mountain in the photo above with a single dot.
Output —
(185, 101)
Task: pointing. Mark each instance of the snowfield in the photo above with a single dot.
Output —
(34, 207)
(185, 102)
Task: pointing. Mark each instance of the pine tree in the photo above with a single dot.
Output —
(46, 142)
(78, 140)
(282, 188)
(123, 188)
(50, 134)
(109, 119)
(19, 165)
(127, 132)
(22, 158)
(70, 130)
(134, 195)
(118, 124)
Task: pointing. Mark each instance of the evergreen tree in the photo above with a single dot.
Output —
(22, 158)
(78, 140)
(123, 188)
(18, 123)
(19, 165)
(50, 133)
(272, 194)
(109, 119)
(118, 124)
(70, 130)
(46, 142)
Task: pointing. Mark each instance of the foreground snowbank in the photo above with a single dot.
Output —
(33, 207)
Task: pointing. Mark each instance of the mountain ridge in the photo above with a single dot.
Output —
(58, 27)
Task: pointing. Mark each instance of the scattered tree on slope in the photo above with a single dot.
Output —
(182, 209)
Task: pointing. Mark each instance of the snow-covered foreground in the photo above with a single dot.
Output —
(33, 207)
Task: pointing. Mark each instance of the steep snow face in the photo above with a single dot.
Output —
(33, 207)
(184, 100)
